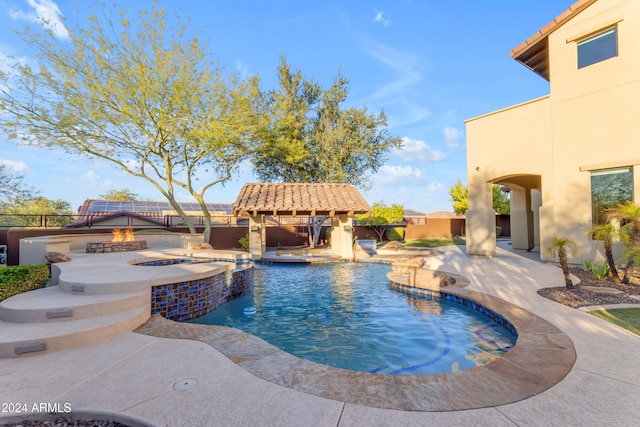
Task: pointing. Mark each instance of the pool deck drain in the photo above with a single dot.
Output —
(542, 357)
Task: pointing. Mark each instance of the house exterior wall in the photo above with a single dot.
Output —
(496, 147)
(590, 121)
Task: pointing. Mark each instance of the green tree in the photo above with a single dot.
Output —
(308, 136)
(121, 194)
(13, 185)
(34, 211)
(501, 201)
(459, 196)
(381, 217)
(562, 246)
(137, 94)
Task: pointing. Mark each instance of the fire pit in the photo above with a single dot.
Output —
(121, 242)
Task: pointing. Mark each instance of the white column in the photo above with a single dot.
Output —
(342, 236)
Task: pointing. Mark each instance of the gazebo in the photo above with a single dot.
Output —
(340, 202)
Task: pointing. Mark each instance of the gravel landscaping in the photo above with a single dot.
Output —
(581, 297)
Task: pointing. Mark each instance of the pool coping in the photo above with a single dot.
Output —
(542, 356)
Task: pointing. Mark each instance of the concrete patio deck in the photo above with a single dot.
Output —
(177, 382)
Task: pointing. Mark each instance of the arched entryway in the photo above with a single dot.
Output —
(526, 200)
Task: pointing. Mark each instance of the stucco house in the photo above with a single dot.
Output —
(569, 155)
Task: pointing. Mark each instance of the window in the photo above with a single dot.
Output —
(597, 48)
(609, 188)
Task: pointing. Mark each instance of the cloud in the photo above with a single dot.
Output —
(436, 186)
(452, 136)
(132, 164)
(381, 19)
(389, 174)
(414, 150)
(45, 13)
(95, 180)
(7, 61)
(14, 166)
(243, 69)
(397, 95)
(404, 65)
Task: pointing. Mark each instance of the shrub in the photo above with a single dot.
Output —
(394, 233)
(600, 270)
(244, 242)
(498, 230)
(586, 265)
(16, 279)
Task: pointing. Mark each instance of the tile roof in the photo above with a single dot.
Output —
(299, 199)
(532, 53)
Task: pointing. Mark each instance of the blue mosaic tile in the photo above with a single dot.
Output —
(185, 300)
(496, 317)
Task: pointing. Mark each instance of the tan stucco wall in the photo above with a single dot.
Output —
(591, 120)
(496, 143)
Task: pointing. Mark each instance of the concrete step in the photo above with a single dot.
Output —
(105, 280)
(23, 339)
(53, 305)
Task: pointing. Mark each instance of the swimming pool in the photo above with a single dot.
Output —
(345, 315)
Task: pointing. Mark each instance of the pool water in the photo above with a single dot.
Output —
(345, 315)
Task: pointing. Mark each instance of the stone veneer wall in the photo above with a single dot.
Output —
(186, 300)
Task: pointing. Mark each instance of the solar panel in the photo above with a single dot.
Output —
(143, 206)
(99, 207)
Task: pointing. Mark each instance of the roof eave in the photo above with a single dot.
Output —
(533, 53)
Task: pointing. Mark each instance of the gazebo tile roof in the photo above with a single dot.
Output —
(299, 198)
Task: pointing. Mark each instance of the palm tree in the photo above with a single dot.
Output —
(629, 212)
(632, 256)
(606, 233)
(561, 245)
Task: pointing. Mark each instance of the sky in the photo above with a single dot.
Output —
(429, 65)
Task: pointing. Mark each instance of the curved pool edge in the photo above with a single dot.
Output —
(542, 357)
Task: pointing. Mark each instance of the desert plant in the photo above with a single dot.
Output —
(632, 257)
(562, 245)
(600, 270)
(630, 232)
(244, 242)
(606, 233)
(586, 265)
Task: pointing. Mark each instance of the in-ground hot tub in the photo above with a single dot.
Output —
(195, 295)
